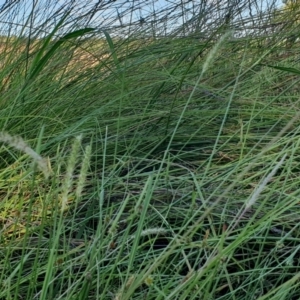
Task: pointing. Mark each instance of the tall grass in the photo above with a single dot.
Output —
(146, 162)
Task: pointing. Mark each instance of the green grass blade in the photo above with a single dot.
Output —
(47, 40)
(42, 62)
(286, 69)
(111, 47)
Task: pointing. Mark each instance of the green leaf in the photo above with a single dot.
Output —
(286, 69)
(111, 47)
(39, 66)
(38, 56)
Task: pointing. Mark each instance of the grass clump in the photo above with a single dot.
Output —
(159, 166)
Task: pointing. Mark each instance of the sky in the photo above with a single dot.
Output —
(114, 14)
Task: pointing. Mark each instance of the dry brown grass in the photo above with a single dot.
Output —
(71, 60)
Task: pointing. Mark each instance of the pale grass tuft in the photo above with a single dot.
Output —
(257, 192)
(130, 281)
(83, 171)
(151, 231)
(214, 51)
(123, 288)
(68, 180)
(18, 143)
(260, 188)
(154, 230)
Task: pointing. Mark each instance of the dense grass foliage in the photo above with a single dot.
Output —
(141, 167)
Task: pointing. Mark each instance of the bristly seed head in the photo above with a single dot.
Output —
(18, 143)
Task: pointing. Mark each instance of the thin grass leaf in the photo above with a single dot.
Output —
(38, 56)
(42, 62)
(286, 69)
(111, 47)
